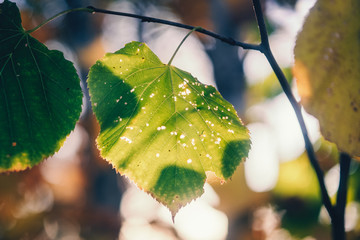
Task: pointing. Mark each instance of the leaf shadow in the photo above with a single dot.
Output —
(116, 102)
(235, 151)
(176, 186)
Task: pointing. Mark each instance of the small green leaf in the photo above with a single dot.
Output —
(161, 127)
(40, 95)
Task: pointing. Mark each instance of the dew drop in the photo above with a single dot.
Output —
(182, 136)
(157, 155)
(126, 139)
(189, 161)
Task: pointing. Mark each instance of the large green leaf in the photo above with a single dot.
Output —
(161, 127)
(40, 95)
(327, 70)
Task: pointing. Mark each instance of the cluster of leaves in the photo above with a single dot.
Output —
(160, 126)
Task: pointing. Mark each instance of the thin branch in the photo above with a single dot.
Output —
(261, 23)
(345, 161)
(338, 228)
(93, 10)
(227, 40)
(265, 49)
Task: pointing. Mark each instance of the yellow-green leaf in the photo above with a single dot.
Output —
(161, 127)
(327, 70)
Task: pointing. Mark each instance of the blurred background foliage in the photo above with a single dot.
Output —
(274, 195)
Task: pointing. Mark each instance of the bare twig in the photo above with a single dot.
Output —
(265, 49)
(227, 40)
(338, 223)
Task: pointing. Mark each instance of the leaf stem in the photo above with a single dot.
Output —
(181, 43)
(58, 15)
(265, 49)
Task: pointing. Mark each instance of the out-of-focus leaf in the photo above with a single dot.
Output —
(269, 88)
(297, 178)
(297, 196)
(327, 69)
(40, 95)
(161, 127)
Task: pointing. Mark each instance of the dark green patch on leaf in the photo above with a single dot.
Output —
(179, 190)
(233, 148)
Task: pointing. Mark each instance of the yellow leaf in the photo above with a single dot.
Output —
(327, 70)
